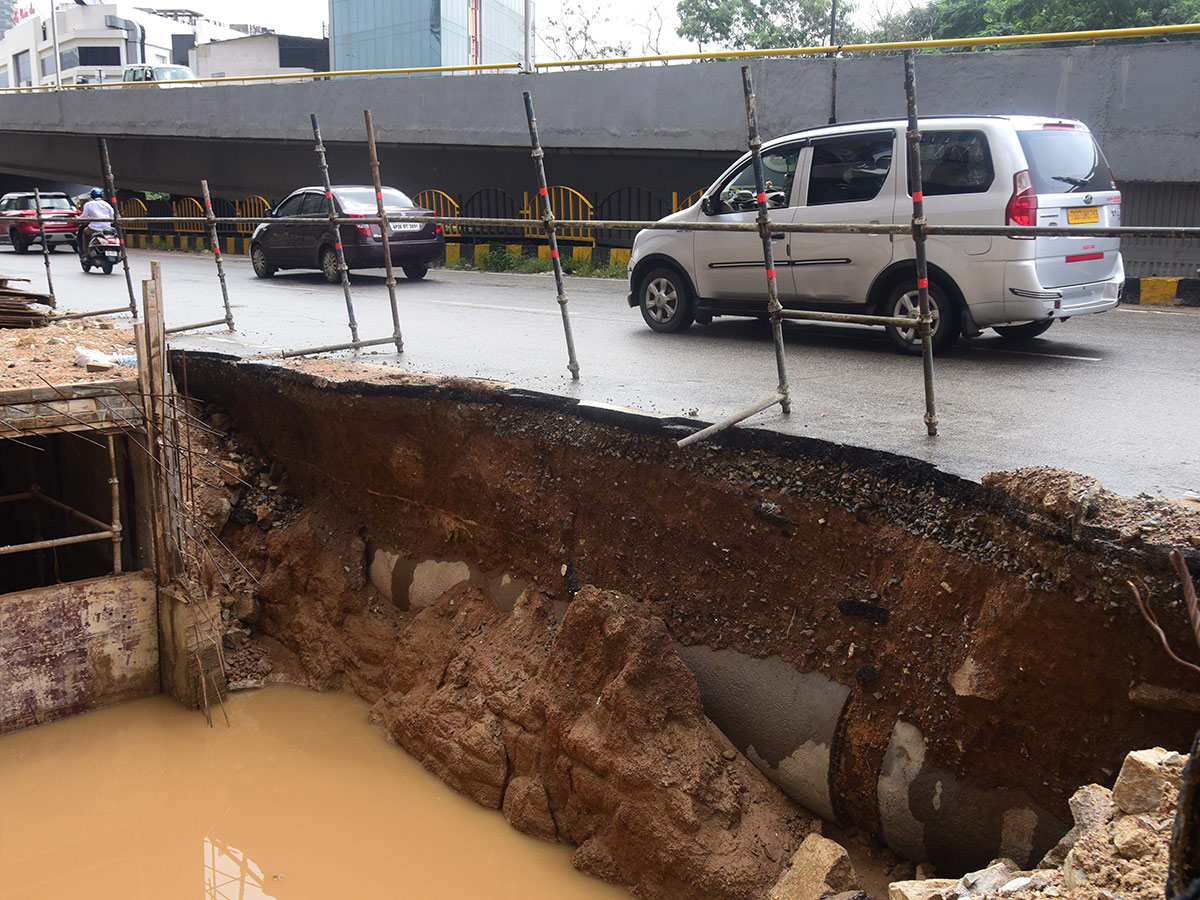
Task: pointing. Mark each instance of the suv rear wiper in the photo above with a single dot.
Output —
(1071, 179)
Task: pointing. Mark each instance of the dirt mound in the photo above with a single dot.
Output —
(50, 353)
(1070, 497)
(583, 727)
(591, 731)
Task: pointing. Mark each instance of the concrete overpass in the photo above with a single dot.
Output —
(667, 128)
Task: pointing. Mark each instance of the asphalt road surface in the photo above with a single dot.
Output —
(1115, 396)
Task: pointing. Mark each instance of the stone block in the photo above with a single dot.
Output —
(432, 578)
(1091, 805)
(1134, 836)
(819, 868)
(1141, 782)
(926, 889)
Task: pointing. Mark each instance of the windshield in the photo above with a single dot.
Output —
(172, 73)
(1065, 161)
(363, 199)
(56, 203)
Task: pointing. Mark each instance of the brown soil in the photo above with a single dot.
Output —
(27, 353)
(749, 547)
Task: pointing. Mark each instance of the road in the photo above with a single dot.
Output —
(1114, 396)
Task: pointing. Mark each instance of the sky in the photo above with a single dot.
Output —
(614, 20)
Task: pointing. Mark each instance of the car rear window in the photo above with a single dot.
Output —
(363, 199)
(1065, 161)
(53, 203)
(954, 162)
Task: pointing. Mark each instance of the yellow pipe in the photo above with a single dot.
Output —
(995, 40)
(1109, 34)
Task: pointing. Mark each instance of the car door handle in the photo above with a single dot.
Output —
(777, 237)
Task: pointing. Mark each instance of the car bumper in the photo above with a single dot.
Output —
(370, 256)
(52, 237)
(1025, 300)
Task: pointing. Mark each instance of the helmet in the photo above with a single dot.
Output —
(97, 193)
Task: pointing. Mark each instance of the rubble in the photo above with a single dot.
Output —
(818, 869)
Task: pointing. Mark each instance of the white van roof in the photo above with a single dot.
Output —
(1019, 123)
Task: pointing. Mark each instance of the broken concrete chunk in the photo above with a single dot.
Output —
(1091, 805)
(974, 680)
(1141, 781)
(928, 889)
(1156, 696)
(984, 881)
(819, 868)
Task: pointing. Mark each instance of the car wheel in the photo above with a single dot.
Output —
(329, 266)
(19, 243)
(1023, 332)
(665, 300)
(415, 273)
(904, 301)
(258, 259)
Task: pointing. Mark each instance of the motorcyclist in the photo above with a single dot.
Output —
(96, 208)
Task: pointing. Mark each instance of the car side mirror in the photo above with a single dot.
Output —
(706, 206)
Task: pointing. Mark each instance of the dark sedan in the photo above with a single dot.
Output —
(294, 245)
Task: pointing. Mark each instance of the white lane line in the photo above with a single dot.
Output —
(524, 309)
(1044, 355)
(1157, 312)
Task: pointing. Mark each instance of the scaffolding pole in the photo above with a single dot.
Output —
(110, 189)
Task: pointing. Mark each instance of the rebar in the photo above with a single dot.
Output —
(918, 234)
(334, 226)
(37, 201)
(110, 189)
(385, 230)
(216, 249)
(774, 307)
(549, 227)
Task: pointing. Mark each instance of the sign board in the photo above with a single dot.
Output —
(21, 13)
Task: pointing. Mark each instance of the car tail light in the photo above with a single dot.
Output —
(1022, 205)
(1051, 126)
(437, 230)
(367, 230)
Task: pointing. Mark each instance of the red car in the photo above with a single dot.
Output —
(19, 225)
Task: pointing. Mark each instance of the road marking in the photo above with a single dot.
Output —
(1160, 312)
(1046, 355)
(525, 309)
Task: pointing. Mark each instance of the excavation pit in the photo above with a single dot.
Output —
(931, 660)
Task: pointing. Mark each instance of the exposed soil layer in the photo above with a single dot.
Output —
(1003, 634)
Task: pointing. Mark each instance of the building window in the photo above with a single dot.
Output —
(48, 65)
(22, 74)
(99, 56)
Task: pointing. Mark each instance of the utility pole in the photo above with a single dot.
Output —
(57, 57)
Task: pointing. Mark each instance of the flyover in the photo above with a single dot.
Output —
(668, 128)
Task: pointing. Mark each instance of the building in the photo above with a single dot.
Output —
(8, 14)
(97, 41)
(259, 54)
(365, 34)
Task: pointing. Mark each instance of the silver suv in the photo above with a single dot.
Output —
(976, 170)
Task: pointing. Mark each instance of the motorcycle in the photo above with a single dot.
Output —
(103, 250)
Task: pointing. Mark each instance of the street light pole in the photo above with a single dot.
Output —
(528, 37)
(57, 56)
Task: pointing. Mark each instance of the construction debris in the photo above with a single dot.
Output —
(21, 308)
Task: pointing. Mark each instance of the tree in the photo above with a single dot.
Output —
(971, 18)
(760, 24)
(575, 34)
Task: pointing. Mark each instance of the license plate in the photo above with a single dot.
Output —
(405, 226)
(112, 254)
(1083, 215)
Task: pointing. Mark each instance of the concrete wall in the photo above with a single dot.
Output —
(73, 647)
(1143, 100)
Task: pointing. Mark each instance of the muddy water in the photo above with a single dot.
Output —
(301, 798)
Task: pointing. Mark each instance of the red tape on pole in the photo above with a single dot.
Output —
(762, 198)
(554, 254)
(918, 196)
(770, 273)
(923, 283)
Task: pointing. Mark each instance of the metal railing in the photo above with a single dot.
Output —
(970, 43)
(919, 229)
